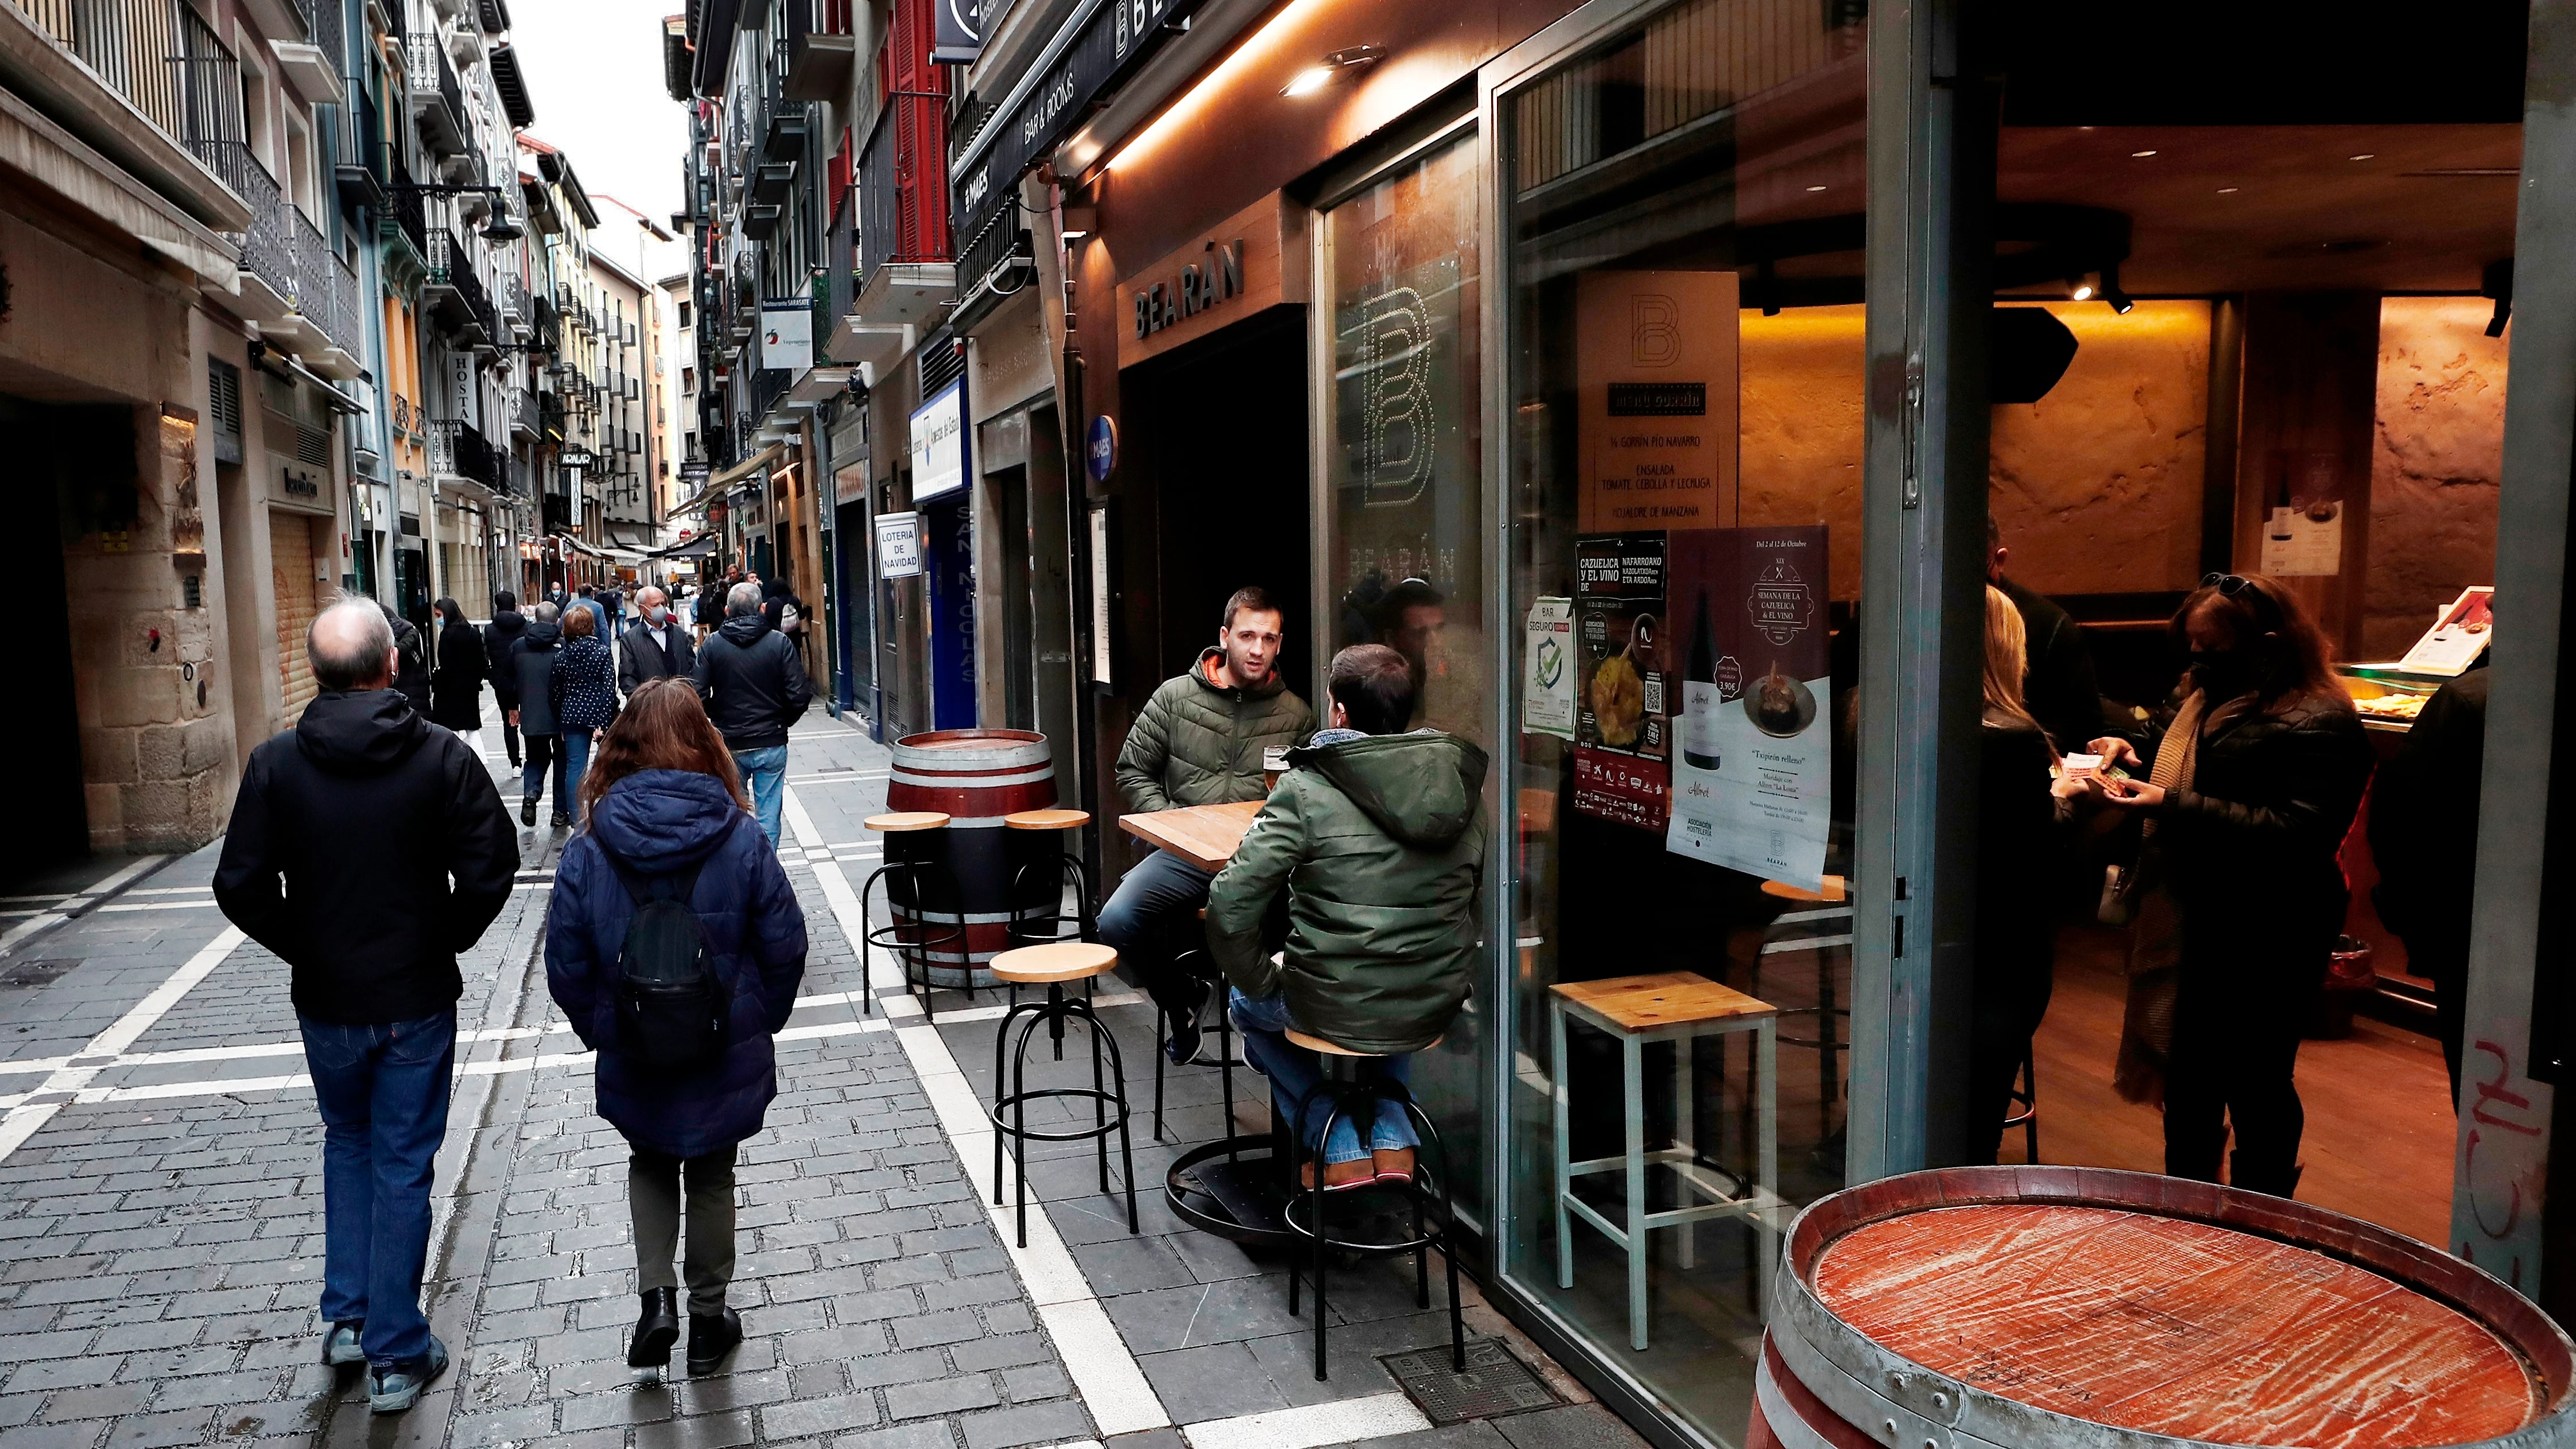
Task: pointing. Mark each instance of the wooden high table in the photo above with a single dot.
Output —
(1206, 836)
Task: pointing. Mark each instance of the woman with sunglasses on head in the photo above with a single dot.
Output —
(2237, 893)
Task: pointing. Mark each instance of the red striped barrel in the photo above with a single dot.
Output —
(975, 777)
(2021, 1307)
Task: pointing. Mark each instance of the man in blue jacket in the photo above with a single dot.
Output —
(367, 849)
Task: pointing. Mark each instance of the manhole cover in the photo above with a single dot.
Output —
(34, 973)
(1494, 1384)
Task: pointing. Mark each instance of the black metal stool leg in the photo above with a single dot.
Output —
(1126, 1148)
(1099, 1104)
(1001, 1036)
(1020, 1125)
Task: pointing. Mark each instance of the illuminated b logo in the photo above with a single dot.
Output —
(1397, 420)
(1654, 330)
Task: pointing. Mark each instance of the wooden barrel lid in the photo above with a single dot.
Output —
(1054, 819)
(2157, 1307)
(902, 820)
(1061, 961)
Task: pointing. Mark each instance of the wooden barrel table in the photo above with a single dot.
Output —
(976, 777)
(2020, 1307)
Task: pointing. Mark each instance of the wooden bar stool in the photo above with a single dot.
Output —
(1674, 1006)
(915, 876)
(1047, 880)
(1052, 966)
(1355, 1101)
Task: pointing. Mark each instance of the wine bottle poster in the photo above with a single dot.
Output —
(1657, 384)
(1752, 770)
(1621, 728)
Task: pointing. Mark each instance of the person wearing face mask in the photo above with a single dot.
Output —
(2236, 895)
(655, 646)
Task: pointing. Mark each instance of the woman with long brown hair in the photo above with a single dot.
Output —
(2237, 892)
(675, 945)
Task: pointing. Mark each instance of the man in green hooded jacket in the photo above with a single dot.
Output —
(1379, 839)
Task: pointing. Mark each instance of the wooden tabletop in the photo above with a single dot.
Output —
(1206, 836)
(2174, 1327)
(1650, 1003)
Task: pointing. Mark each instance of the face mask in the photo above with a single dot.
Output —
(2223, 673)
(653, 614)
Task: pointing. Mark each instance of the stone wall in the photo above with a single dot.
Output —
(2437, 455)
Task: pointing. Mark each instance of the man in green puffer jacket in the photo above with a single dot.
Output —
(1198, 741)
(1379, 839)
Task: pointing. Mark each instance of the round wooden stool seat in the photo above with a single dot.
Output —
(1051, 819)
(1832, 894)
(902, 820)
(1318, 1044)
(1061, 961)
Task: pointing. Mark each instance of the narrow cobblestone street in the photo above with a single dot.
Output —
(161, 1216)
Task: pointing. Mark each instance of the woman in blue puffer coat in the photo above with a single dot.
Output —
(582, 684)
(664, 800)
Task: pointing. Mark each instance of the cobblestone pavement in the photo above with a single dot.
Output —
(161, 1215)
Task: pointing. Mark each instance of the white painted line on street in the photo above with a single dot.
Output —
(24, 1119)
(194, 890)
(8, 941)
(1347, 1421)
(207, 904)
(40, 900)
(137, 866)
(841, 778)
(1103, 1368)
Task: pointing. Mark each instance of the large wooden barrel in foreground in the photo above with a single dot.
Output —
(2021, 1307)
(975, 777)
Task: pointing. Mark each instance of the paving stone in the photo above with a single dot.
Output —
(941, 1397)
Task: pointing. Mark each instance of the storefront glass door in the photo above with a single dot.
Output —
(1680, 237)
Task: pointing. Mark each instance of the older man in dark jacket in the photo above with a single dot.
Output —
(1383, 836)
(655, 646)
(529, 669)
(1198, 741)
(367, 849)
(755, 687)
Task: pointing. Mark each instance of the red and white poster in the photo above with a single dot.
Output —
(1622, 731)
(1752, 777)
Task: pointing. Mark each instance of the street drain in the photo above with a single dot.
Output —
(35, 973)
(1494, 1384)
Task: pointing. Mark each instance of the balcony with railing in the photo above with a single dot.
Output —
(458, 450)
(454, 289)
(816, 49)
(436, 98)
(294, 284)
(905, 263)
(163, 60)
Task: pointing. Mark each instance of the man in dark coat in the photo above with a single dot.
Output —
(2424, 835)
(367, 849)
(530, 668)
(755, 687)
(504, 630)
(655, 646)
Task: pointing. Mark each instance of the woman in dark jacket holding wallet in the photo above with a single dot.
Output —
(664, 801)
(2253, 788)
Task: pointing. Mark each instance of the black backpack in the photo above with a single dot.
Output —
(672, 1006)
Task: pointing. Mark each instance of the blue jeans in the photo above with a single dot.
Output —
(1295, 1073)
(383, 1094)
(575, 745)
(1153, 905)
(764, 774)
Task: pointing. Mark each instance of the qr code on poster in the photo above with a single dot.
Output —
(1654, 694)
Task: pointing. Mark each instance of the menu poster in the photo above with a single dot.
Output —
(1656, 381)
(1547, 669)
(2303, 531)
(2458, 637)
(1621, 731)
(1752, 781)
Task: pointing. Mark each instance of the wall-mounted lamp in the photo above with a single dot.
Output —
(1333, 67)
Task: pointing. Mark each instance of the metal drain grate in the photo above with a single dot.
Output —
(35, 973)
(1494, 1384)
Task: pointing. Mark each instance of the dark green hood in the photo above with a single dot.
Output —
(1420, 788)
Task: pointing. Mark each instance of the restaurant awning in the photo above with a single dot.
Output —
(756, 463)
(699, 547)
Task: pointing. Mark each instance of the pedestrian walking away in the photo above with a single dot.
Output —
(504, 630)
(754, 687)
(367, 849)
(530, 669)
(674, 945)
(411, 673)
(1198, 741)
(456, 683)
(655, 646)
(582, 685)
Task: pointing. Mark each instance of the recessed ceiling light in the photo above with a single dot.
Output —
(2142, 153)
(1815, 188)
(2364, 156)
(2229, 190)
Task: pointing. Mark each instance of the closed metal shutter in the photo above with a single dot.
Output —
(290, 548)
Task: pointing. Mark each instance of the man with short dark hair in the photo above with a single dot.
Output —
(1198, 741)
(1384, 835)
(367, 849)
(755, 687)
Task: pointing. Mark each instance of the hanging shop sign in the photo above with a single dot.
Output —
(898, 545)
(1095, 48)
(938, 430)
(1752, 777)
(957, 37)
(576, 458)
(1656, 381)
(1100, 448)
(1621, 725)
(787, 334)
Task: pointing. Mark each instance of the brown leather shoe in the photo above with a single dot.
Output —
(1338, 1176)
(1394, 1164)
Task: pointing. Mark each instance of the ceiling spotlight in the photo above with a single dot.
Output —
(2119, 301)
(2082, 288)
(1333, 67)
(2142, 154)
